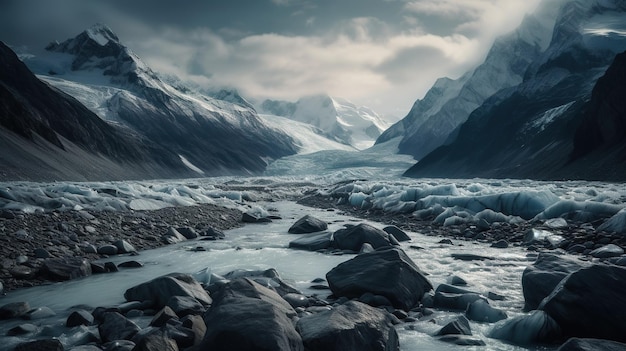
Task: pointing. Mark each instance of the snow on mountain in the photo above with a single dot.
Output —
(529, 130)
(219, 134)
(339, 119)
(449, 102)
(307, 137)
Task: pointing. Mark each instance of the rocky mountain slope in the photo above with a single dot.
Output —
(533, 130)
(46, 134)
(210, 136)
(449, 102)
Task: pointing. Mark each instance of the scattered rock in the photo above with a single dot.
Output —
(164, 315)
(41, 253)
(459, 325)
(22, 272)
(248, 316)
(312, 242)
(22, 329)
(397, 233)
(386, 272)
(252, 218)
(66, 268)
(354, 237)
(184, 305)
(481, 311)
(114, 327)
(124, 247)
(108, 249)
(607, 251)
(79, 317)
(351, 326)
(130, 264)
(39, 313)
(576, 344)
(535, 328)
(500, 244)
(308, 224)
(172, 236)
(157, 341)
(14, 310)
(40, 345)
(188, 232)
(161, 289)
(540, 278)
(470, 257)
(589, 303)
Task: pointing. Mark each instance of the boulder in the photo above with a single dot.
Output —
(108, 249)
(576, 344)
(14, 310)
(161, 289)
(114, 327)
(213, 233)
(397, 233)
(607, 251)
(22, 329)
(590, 303)
(540, 278)
(157, 341)
(40, 345)
(351, 326)
(39, 313)
(188, 232)
(354, 237)
(79, 317)
(308, 224)
(66, 268)
(184, 305)
(481, 311)
(164, 315)
(312, 242)
(124, 246)
(455, 301)
(387, 272)
(196, 325)
(248, 316)
(462, 340)
(268, 278)
(458, 326)
(172, 236)
(535, 328)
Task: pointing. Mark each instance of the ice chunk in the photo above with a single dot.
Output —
(616, 224)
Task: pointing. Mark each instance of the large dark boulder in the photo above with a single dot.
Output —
(354, 237)
(312, 242)
(114, 326)
(161, 289)
(66, 268)
(248, 316)
(590, 303)
(308, 224)
(351, 326)
(535, 328)
(388, 272)
(40, 345)
(576, 344)
(540, 278)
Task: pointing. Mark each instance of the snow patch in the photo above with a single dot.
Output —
(190, 165)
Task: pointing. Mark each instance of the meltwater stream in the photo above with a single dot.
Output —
(262, 246)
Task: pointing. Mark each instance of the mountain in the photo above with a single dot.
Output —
(338, 119)
(449, 102)
(557, 123)
(212, 135)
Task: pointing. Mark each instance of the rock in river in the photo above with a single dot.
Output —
(308, 224)
(161, 289)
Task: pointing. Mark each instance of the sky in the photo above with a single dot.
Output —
(383, 54)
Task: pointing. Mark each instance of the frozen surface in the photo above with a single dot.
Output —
(471, 200)
(265, 246)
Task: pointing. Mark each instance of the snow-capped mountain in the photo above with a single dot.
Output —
(530, 130)
(339, 119)
(211, 135)
(449, 102)
(46, 134)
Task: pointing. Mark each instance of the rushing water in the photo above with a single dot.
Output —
(261, 246)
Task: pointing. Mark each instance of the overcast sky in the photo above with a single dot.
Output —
(384, 54)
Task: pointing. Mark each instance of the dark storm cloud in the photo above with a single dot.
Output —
(383, 53)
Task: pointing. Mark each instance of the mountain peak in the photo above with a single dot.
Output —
(101, 34)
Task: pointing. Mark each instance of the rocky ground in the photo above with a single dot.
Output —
(28, 240)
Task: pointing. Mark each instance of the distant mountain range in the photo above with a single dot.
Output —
(188, 133)
(542, 113)
(337, 119)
